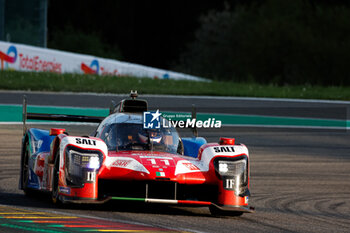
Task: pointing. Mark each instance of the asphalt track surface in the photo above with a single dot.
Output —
(230, 105)
(300, 179)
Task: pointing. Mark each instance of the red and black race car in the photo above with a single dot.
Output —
(124, 160)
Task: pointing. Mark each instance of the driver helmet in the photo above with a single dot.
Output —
(155, 136)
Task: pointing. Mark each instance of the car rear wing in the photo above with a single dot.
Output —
(55, 117)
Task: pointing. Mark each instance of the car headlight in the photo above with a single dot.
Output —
(223, 167)
(231, 168)
(234, 174)
(85, 160)
(81, 166)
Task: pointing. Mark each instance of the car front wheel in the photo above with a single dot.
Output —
(25, 170)
(55, 179)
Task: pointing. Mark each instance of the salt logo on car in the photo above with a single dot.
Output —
(224, 149)
(151, 120)
(85, 141)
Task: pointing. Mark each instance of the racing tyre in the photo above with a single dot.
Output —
(55, 177)
(217, 212)
(25, 170)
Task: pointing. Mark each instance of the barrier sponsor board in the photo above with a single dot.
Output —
(29, 58)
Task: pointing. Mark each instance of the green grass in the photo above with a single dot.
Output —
(13, 80)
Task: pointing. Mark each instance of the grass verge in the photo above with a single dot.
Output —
(14, 80)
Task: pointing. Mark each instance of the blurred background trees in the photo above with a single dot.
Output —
(273, 41)
(282, 42)
(75, 40)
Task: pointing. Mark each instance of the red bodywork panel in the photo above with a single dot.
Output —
(159, 165)
(147, 166)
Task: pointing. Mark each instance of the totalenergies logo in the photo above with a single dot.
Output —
(95, 68)
(9, 57)
(29, 61)
(92, 69)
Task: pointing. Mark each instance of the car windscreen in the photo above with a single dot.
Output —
(132, 136)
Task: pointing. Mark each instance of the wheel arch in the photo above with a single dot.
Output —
(25, 139)
(55, 145)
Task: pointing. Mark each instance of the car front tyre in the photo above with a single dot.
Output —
(55, 179)
(25, 170)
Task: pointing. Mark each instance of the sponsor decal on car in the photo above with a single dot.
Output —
(65, 190)
(121, 163)
(185, 166)
(85, 141)
(224, 149)
(160, 174)
(127, 163)
(229, 183)
(191, 166)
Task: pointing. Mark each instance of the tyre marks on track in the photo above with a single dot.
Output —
(321, 209)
